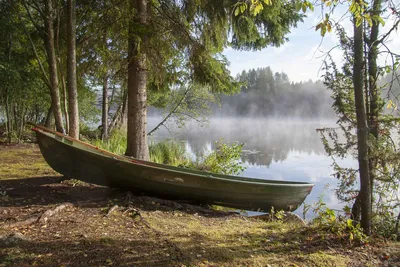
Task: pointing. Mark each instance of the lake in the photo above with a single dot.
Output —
(278, 149)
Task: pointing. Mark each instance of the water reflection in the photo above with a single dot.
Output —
(265, 140)
(274, 149)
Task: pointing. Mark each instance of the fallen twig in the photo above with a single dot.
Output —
(137, 213)
(111, 210)
(51, 212)
(38, 218)
(25, 222)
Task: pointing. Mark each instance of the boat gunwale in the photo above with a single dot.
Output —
(163, 167)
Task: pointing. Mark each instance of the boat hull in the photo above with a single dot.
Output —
(75, 159)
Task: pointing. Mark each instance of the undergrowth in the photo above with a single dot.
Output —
(337, 223)
(224, 159)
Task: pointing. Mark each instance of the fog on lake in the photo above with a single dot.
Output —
(278, 149)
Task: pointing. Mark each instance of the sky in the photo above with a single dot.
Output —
(302, 56)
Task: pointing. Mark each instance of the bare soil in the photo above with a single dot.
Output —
(71, 223)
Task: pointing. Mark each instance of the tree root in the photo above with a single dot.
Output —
(133, 212)
(51, 212)
(26, 222)
(111, 210)
(182, 206)
(43, 218)
(136, 213)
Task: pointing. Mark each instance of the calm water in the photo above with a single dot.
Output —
(278, 149)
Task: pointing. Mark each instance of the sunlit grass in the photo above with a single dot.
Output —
(116, 143)
(235, 241)
(224, 160)
(168, 152)
(23, 161)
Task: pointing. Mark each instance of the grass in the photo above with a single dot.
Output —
(116, 143)
(168, 152)
(84, 236)
(225, 159)
(20, 161)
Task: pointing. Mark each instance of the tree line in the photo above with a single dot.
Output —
(268, 94)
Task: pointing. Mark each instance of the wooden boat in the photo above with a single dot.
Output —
(77, 159)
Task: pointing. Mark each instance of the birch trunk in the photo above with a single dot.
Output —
(51, 60)
(73, 111)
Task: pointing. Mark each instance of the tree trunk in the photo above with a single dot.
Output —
(17, 122)
(104, 117)
(61, 73)
(362, 129)
(373, 86)
(120, 115)
(8, 115)
(124, 111)
(65, 100)
(48, 118)
(51, 60)
(137, 82)
(73, 111)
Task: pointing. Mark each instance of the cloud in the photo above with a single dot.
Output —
(301, 58)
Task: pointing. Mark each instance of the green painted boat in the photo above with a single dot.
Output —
(80, 160)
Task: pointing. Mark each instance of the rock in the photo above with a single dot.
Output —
(13, 238)
(290, 217)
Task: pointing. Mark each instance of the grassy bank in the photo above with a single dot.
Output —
(145, 231)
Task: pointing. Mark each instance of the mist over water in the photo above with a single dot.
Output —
(277, 149)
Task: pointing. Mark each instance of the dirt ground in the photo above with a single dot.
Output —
(48, 221)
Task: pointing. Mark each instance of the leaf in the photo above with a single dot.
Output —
(258, 8)
(243, 7)
(323, 30)
(391, 105)
(237, 10)
(358, 21)
(352, 7)
(328, 27)
(298, 6)
(381, 20)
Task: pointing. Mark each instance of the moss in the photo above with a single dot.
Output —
(23, 161)
(322, 259)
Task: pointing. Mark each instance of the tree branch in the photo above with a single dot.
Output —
(171, 113)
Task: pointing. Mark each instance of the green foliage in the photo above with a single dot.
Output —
(116, 142)
(187, 103)
(274, 17)
(23, 94)
(277, 215)
(168, 152)
(359, 9)
(383, 155)
(340, 225)
(225, 159)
